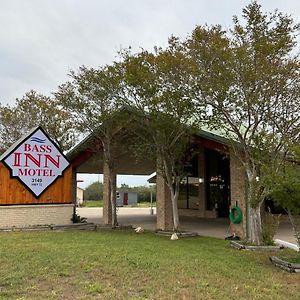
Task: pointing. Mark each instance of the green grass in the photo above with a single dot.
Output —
(143, 204)
(99, 203)
(125, 265)
(93, 203)
(292, 257)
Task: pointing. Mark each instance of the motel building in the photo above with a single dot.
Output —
(38, 182)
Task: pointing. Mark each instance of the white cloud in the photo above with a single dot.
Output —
(41, 40)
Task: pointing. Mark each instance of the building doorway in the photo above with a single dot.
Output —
(217, 182)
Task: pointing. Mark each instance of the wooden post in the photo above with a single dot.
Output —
(74, 189)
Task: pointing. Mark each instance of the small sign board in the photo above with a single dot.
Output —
(35, 161)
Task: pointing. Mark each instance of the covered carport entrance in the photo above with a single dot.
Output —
(212, 227)
(217, 182)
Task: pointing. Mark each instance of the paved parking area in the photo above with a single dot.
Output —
(218, 228)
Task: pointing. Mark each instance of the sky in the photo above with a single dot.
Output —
(42, 40)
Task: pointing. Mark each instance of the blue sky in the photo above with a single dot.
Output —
(42, 40)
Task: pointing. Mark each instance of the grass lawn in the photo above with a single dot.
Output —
(125, 265)
(292, 257)
(143, 204)
(99, 203)
(93, 203)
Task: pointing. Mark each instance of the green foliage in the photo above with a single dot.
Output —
(92, 287)
(158, 88)
(92, 203)
(77, 219)
(269, 228)
(94, 191)
(282, 177)
(92, 97)
(32, 110)
(157, 85)
(143, 192)
(247, 79)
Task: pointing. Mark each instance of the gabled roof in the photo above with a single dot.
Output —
(213, 135)
(87, 158)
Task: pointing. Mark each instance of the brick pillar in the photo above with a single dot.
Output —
(238, 192)
(164, 216)
(107, 211)
(202, 185)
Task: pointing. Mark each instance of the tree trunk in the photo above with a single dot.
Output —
(255, 227)
(254, 222)
(106, 143)
(174, 193)
(174, 200)
(112, 188)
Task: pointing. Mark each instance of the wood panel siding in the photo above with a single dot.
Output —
(12, 192)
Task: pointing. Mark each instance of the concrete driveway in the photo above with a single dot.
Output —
(218, 228)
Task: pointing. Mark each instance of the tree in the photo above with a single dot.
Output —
(32, 110)
(124, 186)
(94, 191)
(283, 179)
(157, 86)
(248, 79)
(93, 98)
(144, 193)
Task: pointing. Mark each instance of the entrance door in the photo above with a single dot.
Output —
(218, 182)
(125, 199)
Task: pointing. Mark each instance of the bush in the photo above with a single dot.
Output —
(94, 191)
(269, 227)
(77, 219)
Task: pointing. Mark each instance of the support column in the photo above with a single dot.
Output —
(107, 210)
(238, 193)
(164, 216)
